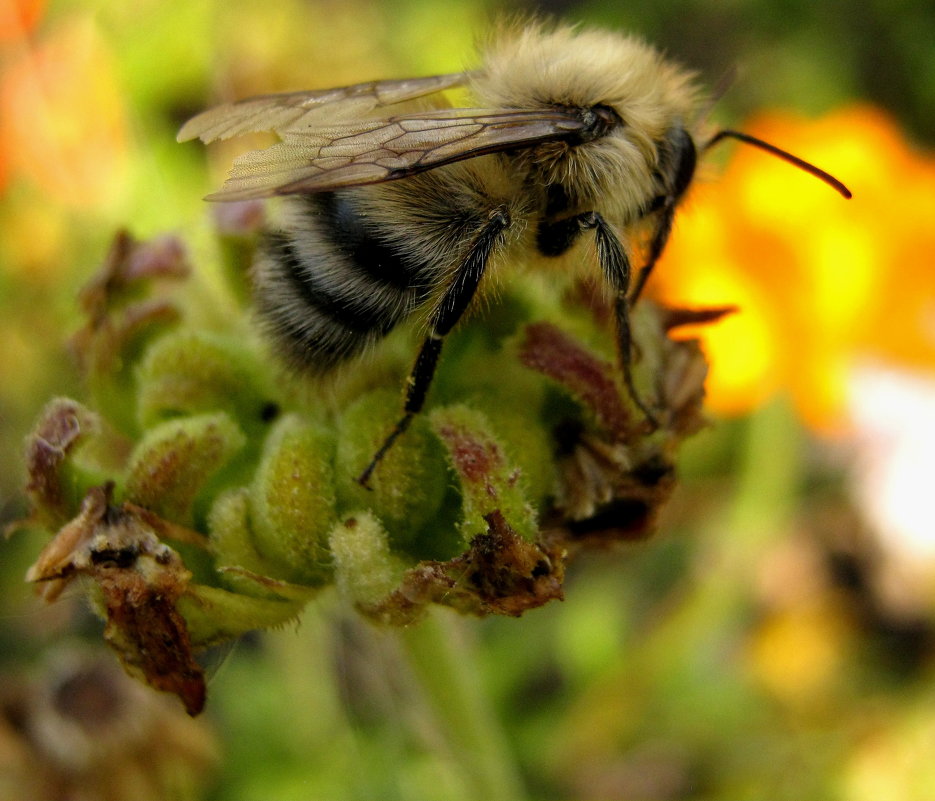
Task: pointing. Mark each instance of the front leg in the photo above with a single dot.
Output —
(449, 310)
(554, 238)
(681, 158)
(656, 245)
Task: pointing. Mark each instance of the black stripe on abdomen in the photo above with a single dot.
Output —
(327, 295)
(330, 288)
(346, 231)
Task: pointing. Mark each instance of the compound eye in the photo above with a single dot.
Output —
(598, 121)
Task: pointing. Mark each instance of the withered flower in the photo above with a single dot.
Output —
(202, 494)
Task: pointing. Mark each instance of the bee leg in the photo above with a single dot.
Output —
(656, 246)
(615, 265)
(683, 157)
(555, 237)
(449, 310)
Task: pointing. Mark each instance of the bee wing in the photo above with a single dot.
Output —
(375, 151)
(283, 112)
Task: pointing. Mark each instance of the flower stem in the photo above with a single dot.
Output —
(443, 664)
(769, 477)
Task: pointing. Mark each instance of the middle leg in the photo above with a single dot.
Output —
(556, 237)
(450, 308)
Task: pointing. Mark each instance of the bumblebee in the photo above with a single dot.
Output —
(399, 205)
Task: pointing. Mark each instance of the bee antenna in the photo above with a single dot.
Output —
(811, 169)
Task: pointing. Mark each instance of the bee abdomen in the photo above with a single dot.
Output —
(327, 288)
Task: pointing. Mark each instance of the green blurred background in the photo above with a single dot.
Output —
(775, 639)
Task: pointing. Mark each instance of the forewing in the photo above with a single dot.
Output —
(374, 151)
(296, 110)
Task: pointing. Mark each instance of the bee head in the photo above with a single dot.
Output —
(630, 99)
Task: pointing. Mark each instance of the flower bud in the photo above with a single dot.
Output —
(407, 490)
(190, 372)
(489, 481)
(176, 460)
(365, 569)
(293, 499)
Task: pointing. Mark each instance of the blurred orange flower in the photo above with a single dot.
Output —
(19, 17)
(63, 122)
(822, 283)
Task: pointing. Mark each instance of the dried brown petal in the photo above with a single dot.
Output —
(614, 476)
(682, 386)
(115, 316)
(62, 425)
(129, 261)
(550, 351)
(672, 318)
(501, 573)
(139, 580)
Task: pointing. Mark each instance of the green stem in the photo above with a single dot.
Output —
(444, 667)
(769, 476)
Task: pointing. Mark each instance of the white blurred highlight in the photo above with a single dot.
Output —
(893, 412)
